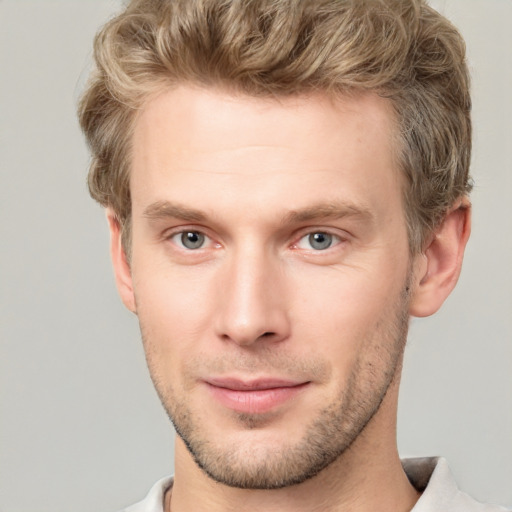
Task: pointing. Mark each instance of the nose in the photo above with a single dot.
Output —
(252, 300)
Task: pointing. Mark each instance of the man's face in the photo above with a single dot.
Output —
(270, 270)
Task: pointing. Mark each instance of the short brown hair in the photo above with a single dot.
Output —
(401, 49)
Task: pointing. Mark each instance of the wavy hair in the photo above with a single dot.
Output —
(401, 49)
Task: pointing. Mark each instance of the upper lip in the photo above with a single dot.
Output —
(252, 384)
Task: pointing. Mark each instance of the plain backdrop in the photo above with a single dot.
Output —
(81, 428)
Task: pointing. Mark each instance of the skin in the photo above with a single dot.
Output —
(252, 180)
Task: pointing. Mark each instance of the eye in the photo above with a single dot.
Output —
(189, 239)
(318, 241)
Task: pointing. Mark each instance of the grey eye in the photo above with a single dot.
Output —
(320, 241)
(192, 239)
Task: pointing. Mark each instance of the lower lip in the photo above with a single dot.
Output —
(256, 401)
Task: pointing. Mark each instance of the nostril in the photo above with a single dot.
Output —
(267, 334)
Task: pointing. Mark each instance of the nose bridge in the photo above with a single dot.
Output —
(252, 304)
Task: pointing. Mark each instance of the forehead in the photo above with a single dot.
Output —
(209, 146)
(212, 115)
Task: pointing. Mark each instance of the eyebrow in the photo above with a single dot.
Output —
(165, 209)
(332, 210)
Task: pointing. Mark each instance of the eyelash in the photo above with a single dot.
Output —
(173, 238)
(332, 240)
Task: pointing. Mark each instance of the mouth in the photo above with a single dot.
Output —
(253, 396)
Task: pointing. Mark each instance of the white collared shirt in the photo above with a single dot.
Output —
(430, 475)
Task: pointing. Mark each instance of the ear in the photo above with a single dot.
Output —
(438, 268)
(122, 270)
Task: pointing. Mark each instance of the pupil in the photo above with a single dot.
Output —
(320, 241)
(192, 239)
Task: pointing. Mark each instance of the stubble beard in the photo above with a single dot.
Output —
(325, 439)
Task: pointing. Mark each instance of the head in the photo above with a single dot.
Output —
(276, 174)
(403, 51)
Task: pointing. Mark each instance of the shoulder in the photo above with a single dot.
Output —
(433, 478)
(153, 502)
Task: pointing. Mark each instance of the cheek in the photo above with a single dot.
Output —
(343, 310)
(174, 309)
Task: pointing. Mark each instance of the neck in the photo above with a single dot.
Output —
(368, 476)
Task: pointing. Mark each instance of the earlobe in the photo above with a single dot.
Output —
(120, 263)
(438, 268)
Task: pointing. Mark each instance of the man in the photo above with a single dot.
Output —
(286, 183)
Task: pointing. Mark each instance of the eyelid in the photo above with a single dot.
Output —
(170, 234)
(337, 236)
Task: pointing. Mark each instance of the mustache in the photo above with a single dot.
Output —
(267, 362)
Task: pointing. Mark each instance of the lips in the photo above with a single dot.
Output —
(254, 396)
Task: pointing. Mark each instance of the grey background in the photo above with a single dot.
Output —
(81, 428)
